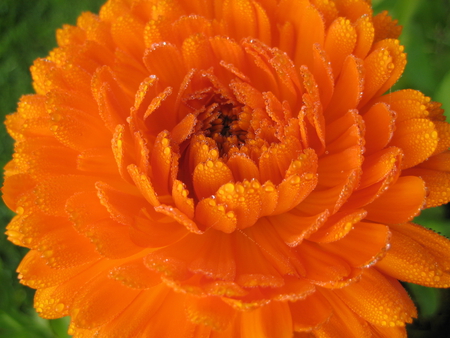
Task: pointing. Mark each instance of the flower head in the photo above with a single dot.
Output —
(228, 168)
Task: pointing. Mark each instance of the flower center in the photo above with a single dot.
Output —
(227, 129)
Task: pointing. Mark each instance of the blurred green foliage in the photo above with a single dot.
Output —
(27, 31)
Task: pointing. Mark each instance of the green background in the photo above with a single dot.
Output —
(27, 31)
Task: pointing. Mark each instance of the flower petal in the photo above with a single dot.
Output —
(409, 190)
(417, 255)
(380, 300)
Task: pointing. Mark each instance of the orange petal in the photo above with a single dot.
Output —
(407, 103)
(184, 128)
(380, 126)
(210, 311)
(252, 268)
(69, 124)
(378, 166)
(56, 301)
(322, 268)
(273, 320)
(323, 73)
(242, 167)
(293, 190)
(209, 214)
(243, 199)
(337, 226)
(170, 308)
(343, 320)
(127, 32)
(294, 289)
(97, 161)
(179, 217)
(388, 332)
(417, 138)
(293, 226)
(400, 203)
(366, 33)
(385, 27)
(46, 76)
(99, 307)
(186, 26)
(121, 148)
(348, 89)
(354, 9)
(440, 162)
(345, 132)
(161, 162)
(113, 104)
(331, 199)
(138, 314)
(135, 274)
(121, 205)
(164, 60)
(209, 176)
(379, 300)
(335, 168)
(14, 187)
(197, 53)
(144, 185)
(411, 260)
(112, 239)
(210, 255)
(303, 16)
(443, 131)
(339, 43)
(310, 313)
(277, 253)
(155, 230)
(181, 199)
(383, 66)
(363, 246)
(53, 192)
(36, 273)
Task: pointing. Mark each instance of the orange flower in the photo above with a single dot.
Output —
(227, 168)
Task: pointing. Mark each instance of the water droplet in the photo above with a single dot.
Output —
(229, 187)
(59, 307)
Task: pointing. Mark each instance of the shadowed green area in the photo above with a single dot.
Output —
(27, 31)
